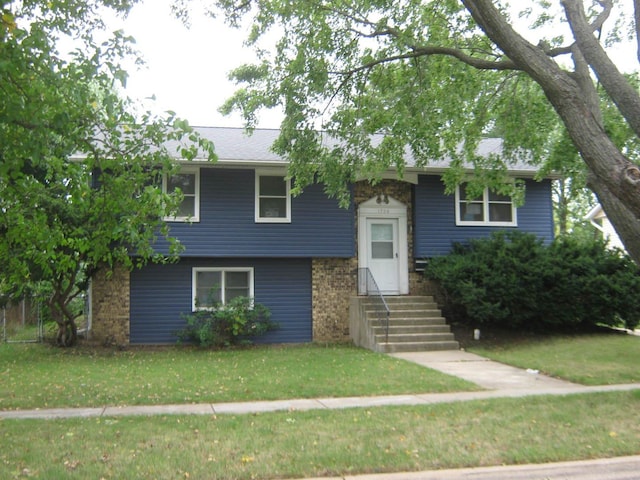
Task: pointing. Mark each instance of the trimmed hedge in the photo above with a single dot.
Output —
(513, 280)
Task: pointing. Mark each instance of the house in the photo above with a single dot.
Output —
(244, 233)
(599, 220)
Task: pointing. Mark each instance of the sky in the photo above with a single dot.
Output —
(187, 68)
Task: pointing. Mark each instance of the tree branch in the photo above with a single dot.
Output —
(621, 92)
(475, 62)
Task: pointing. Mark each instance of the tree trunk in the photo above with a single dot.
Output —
(67, 335)
(622, 219)
(614, 178)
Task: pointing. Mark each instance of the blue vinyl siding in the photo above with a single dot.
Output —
(160, 294)
(227, 227)
(435, 227)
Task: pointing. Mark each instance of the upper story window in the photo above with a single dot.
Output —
(489, 209)
(273, 198)
(187, 181)
(215, 286)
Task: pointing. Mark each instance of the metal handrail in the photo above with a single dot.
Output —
(367, 285)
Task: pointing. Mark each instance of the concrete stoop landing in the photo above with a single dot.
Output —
(416, 324)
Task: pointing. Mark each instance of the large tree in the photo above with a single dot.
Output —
(430, 76)
(80, 169)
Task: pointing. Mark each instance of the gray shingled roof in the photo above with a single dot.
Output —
(236, 146)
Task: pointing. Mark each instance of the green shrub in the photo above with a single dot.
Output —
(513, 280)
(230, 324)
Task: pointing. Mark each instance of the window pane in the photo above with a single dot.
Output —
(463, 193)
(186, 182)
(500, 212)
(208, 288)
(187, 207)
(471, 212)
(496, 197)
(273, 207)
(237, 279)
(273, 186)
(236, 285)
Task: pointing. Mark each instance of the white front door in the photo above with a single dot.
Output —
(383, 258)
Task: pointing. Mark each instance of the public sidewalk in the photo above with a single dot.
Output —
(500, 381)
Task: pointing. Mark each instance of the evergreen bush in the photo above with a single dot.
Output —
(513, 280)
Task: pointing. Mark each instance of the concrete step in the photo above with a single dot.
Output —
(408, 329)
(418, 312)
(415, 324)
(400, 305)
(409, 298)
(408, 321)
(415, 337)
(392, 347)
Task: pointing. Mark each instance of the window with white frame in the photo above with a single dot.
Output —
(187, 181)
(489, 209)
(273, 198)
(217, 286)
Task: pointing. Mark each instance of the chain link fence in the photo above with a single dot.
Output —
(22, 320)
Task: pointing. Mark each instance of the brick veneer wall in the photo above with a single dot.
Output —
(334, 282)
(335, 279)
(110, 307)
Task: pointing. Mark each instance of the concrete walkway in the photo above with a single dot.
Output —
(484, 372)
(498, 379)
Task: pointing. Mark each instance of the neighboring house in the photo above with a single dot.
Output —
(246, 235)
(599, 220)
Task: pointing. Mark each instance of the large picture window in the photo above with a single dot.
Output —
(273, 198)
(214, 286)
(188, 183)
(488, 209)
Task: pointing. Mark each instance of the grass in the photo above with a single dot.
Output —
(325, 443)
(38, 376)
(588, 359)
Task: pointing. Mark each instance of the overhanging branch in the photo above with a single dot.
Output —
(475, 62)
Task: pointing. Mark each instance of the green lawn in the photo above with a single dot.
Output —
(38, 376)
(589, 359)
(313, 443)
(324, 443)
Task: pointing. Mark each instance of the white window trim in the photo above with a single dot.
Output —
(194, 276)
(196, 213)
(258, 218)
(485, 208)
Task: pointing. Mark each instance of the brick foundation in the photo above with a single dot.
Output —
(334, 282)
(110, 307)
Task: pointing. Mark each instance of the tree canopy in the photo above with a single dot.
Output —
(79, 166)
(432, 78)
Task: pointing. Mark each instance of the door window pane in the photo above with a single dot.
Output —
(380, 250)
(381, 240)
